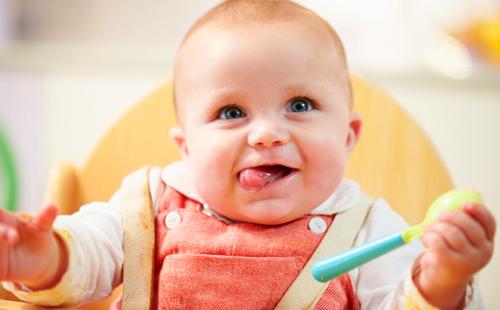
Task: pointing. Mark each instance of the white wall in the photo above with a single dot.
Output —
(22, 116)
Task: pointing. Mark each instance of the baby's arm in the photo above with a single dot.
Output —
(460, 244)
(30, 252)
(93, 240)
(93, 237)
(386, 282)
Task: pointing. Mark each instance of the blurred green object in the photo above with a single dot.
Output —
(7, 174)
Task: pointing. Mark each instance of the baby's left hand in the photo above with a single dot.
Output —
(460, 244)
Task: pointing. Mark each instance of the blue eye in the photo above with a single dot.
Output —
(299, 105)
(231, 112)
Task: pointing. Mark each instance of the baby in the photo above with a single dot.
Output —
(264, 104)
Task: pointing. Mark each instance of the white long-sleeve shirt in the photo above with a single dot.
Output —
(94, 239)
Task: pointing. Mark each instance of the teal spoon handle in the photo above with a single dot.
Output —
(331, 267)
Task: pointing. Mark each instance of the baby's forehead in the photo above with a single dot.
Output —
(242, 20)
(218, 46)
(273, 35)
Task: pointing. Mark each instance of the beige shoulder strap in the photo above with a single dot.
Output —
(138, 241)
(305, 291)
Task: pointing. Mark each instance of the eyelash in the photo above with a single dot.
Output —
(219, 113)
(311, 101)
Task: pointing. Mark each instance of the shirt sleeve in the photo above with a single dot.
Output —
(387, 282)
(94, 238)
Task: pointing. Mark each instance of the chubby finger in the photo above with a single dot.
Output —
(7, 218)
(46, 217)
(437, 244)
(8, 234)
(3, 232)
(484, 216)
(12, 236)
(452, 235)
(469, 226)
(8, 230)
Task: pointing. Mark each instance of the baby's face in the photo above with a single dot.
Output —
(266, 123)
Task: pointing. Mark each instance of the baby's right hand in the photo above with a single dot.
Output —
(30, 252)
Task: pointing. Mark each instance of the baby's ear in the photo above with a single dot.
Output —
(354, 131)
(177, 134)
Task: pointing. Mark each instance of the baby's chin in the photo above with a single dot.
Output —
(273, 221)
(262, 215)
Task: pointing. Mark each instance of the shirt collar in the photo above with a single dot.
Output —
(178, 176)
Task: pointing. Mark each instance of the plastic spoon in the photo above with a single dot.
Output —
(334, 266)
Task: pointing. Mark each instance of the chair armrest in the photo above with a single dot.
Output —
(63, 188)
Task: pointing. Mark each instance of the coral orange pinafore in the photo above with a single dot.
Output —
(202, 262)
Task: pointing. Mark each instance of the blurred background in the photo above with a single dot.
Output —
(68, 69)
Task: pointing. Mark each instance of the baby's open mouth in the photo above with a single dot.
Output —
(255, 178)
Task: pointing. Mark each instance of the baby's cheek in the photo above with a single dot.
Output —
(326, 181)
(211, 175)
(326, 169)
(329, 156)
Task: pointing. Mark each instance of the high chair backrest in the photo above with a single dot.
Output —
(394, 159)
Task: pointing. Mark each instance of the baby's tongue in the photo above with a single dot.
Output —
(258, 177)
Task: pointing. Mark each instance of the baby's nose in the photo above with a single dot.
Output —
(268, 134)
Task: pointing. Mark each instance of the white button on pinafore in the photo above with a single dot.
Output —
(172, 220)
(317, 225)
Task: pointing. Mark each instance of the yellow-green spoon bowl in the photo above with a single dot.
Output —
(449, 201)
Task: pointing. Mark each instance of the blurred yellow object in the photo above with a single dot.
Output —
(394, 158)
(483, 38)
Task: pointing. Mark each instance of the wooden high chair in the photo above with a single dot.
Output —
(394, 159)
